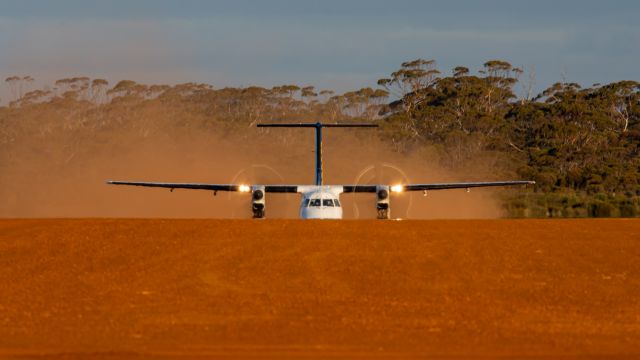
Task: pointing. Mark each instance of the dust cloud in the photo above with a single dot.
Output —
(46, 179)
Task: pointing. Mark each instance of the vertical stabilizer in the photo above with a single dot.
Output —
(318, 126)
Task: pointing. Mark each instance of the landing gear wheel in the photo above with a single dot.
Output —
(258, 211)
(383, 211)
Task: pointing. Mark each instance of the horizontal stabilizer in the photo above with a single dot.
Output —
(318, 129)
(315, 125)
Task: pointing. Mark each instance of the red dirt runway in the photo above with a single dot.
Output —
(317, 289)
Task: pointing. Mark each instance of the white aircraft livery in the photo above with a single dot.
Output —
(320, 201)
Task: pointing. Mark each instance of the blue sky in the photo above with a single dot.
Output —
(342, 45)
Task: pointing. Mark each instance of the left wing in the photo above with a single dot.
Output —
(213, 187)
(436, 186)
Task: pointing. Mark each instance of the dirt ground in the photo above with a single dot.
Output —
(109, 288)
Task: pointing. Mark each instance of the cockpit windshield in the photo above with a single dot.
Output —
(321, 202)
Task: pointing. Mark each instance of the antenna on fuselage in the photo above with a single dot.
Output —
(318, 126)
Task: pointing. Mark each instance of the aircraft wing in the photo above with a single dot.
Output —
(435, 186)
(212, 187)
(346, 188)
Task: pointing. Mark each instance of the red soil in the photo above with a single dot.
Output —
(288, 288)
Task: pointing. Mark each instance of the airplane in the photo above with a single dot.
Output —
(320, 201)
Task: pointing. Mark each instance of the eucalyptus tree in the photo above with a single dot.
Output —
(18, 85)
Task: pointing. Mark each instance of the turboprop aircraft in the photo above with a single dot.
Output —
(320, 201)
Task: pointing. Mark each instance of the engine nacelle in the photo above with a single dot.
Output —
(382, 201)
(258, 201)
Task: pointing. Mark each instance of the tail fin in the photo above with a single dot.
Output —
(318, 126)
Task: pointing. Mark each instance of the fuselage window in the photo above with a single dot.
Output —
(337, 202)
(314, 202)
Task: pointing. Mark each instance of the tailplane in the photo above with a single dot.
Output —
(318, 126)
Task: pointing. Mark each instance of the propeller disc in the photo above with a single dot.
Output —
(384, 174)
(262, 174)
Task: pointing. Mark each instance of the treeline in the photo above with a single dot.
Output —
(580, 145)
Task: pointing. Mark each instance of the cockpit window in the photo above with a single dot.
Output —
(319, 202)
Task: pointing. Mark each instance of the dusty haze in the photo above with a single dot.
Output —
(64, 176)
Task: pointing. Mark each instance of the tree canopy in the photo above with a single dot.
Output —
(580, 144)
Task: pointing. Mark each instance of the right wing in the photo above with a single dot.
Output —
(213, 187)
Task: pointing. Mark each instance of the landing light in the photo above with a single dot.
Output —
(244, 188)
(397, 188)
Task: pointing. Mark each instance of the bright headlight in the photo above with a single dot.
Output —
(244, 188)
(397, 188)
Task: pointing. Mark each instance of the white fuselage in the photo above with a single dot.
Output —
(320, 202)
